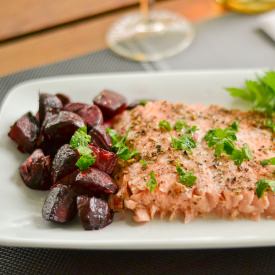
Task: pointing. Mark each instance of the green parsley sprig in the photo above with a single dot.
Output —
(119, 145)
(264, 185)
(80, 141)
(164, 125)
(181, 124)
(270, 161)
(152, 182)
(260, 93)
(223, 142)
(270, 124)
(184, 142)
(186, 178)
(143, 163)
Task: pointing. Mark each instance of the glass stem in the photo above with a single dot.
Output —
(145, 6)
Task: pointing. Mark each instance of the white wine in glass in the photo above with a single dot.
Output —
(150, 35)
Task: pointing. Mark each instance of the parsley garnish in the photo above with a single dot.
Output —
(165, 125)
(152, 182)
(223, 141)
(260, 92)
(119, 145)
(264, 185)
(80, 138)
(85, 161)
(80, 141)
(143, 102)
(186, 178)
(268, 161)
(269, 123)
(181, 124)
(143, 163)
(184, 142)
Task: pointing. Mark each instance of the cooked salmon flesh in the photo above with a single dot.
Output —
(222, 188)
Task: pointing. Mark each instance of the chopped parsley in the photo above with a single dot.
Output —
(186, 178)
(260, 93)
(223, 142)
(184, 142)
(165, 125)
(270, 161)
(85, 161)
(264, 185)
(80, 138)
(80, 141)
(240, 155)
(143, 163)
(181, 124)
(270, 124)
(152, 182)
(143, 102)
(119, 145)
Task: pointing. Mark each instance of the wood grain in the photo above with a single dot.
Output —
(25, 16)
(84, 37)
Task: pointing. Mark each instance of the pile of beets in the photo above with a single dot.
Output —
(51, 164)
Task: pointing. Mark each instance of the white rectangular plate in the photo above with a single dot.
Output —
(21, 223)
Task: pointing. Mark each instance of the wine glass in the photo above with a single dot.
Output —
(150, 35)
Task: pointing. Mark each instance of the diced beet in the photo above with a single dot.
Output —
(105, 160)
(59, 128)
(100, 137)
(110, 103)
(95, 181)
(75, 107)
(48, 104)
(64, 162)
(60, 204)
(63, 98)
(35, 171)
(91, 115)
(69, 179)
(94, 213)
(25, 133)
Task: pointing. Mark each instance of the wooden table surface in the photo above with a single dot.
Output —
(38, 32)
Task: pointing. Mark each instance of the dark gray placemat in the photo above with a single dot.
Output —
(225, 42)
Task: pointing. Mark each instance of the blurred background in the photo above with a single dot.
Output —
(38, 32)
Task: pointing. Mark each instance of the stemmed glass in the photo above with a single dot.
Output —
(150, 35)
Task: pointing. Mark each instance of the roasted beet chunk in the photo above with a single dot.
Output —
(94, 213)
(64, 162)
(35, 171)
(75, 107)
(110, 103)
(60, 127)
(91, 115)
(69, 179)
(64, 99)
(25, 132)
(95, 181)
(105, 160)
(60, 204)
(100, 137)
(48, 104)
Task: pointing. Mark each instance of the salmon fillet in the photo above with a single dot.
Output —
(221, 189)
